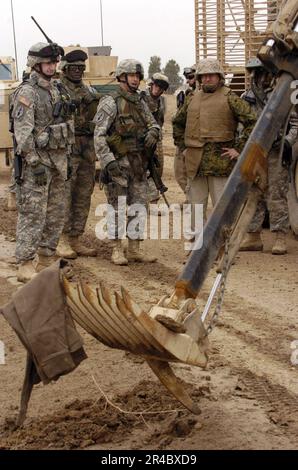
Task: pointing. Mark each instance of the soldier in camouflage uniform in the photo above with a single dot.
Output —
(205, 129)
(43, 132)
(179, 162)
(279, 161)
(81, 185)
(158, 85)
(125, 131)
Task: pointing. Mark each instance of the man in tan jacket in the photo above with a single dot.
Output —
(205, 129)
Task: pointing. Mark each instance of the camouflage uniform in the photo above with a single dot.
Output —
(40, 137)
(275, 198)
(81, 185)
(122, 120)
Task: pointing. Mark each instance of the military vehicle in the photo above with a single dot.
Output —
(8, 83)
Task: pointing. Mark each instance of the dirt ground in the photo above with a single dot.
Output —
(248, 394)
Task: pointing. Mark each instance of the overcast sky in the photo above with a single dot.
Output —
(134, 28)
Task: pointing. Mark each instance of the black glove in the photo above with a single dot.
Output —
(151, 139)
(114, 169)
(40, 175)
(287, 155)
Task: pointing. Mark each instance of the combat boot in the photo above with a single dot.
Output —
(81, 250)
(118, 256)
(45, 259)
(279, 247)
(26, 271)
(64, 250)
(252, 242)
(134, 253)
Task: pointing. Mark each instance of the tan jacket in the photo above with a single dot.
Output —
(39, 315)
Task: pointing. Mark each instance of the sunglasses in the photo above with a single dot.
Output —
(80, 68)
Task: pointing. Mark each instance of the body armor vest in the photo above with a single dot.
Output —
(209, 118)
(126, 135)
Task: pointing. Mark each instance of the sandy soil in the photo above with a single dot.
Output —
(248, 394)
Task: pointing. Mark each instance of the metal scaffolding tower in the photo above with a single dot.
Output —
(232, 32)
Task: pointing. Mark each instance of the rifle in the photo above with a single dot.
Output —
(153, 165)
(18, 166)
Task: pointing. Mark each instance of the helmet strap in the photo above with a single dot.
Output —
(38, 69)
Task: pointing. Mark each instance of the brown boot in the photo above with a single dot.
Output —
(45, 261)
(64, 250)
(134, 253)
(279, 247)
(118, 256)
(26, 271)
(81, 249)
(252, 242)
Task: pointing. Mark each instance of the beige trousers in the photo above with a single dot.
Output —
(201, 187)
(180, 170)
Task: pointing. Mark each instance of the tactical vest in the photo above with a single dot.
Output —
(51, 132)
(209, 118)
(86, 100)
(130, 122)
(126, 135)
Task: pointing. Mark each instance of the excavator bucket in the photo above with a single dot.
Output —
(118, 322)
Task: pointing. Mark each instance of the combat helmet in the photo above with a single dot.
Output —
(189, 71)
(160, 80)
(43, 53)
(76, 57)
(128, 66)
(207, 66)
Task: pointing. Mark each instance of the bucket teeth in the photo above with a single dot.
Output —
(103, 322)
(152, 348)
(119, 322)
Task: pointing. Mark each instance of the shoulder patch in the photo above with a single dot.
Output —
(23, 100)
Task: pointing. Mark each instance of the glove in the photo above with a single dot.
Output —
(40, 175)
(151, 139)
(287, 155)
(114, 169)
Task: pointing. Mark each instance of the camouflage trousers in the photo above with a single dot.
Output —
(131, 191)
(180, 170)
(80, 187)
(153, 193)
(40, 214)
(275, 198)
